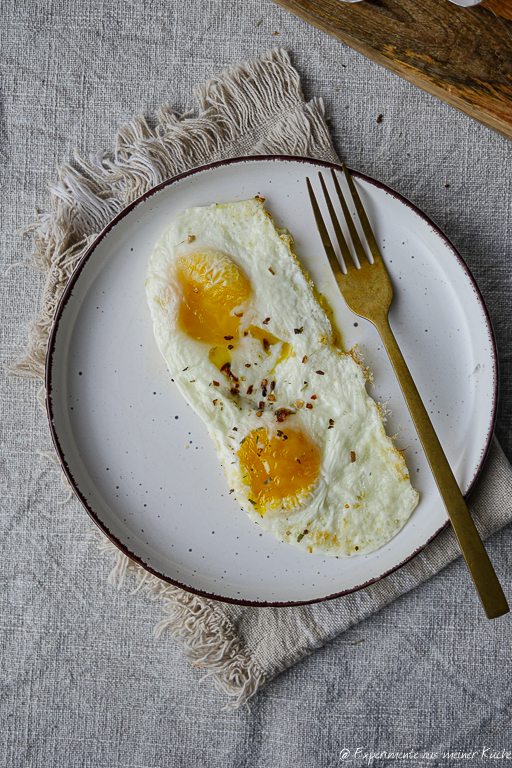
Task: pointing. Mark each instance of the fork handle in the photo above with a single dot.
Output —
(480, 567)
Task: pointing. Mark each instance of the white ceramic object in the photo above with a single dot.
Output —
(141, 461)
(463, 3)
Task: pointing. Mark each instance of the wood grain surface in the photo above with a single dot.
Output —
(461, 55)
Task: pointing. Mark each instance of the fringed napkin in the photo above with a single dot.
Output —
(255, 107)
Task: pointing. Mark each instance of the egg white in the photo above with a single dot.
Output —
(363, 495)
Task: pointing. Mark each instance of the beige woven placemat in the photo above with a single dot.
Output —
(255, 107)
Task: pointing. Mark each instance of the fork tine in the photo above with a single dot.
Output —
(356, 240)
(345, 251)
(326, 241)
(363, 218)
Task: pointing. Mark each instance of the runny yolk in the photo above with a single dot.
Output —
(219, 356)
(280, 468)
(213, 289)
(268, 340)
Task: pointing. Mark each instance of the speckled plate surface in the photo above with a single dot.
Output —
(141, 461)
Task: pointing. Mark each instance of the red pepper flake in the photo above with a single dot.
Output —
(288, 533)
(279, 433)
(261, 404)
(272, 386)
(239, 314)
(352, 456)
(313, 397)
(320, 373)
(216, 384)
(264, 387)
(271, 271)
(282, 413)
(271, 398)
(379, 119)
(246, 333)
(250, 389)
(228, 338)
(266, 321)
(247, 365)
(234, 391)
(306, 531)
(215, 402)
(305, 359)
(309, 405)
(331, 422)
(259, 413)
(226, 370)
(235, 429)
(266, 344)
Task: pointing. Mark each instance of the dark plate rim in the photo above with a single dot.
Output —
(67, 294)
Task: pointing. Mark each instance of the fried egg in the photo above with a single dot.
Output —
(251, 347)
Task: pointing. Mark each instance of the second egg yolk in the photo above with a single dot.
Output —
(213, 289)
(280, 468)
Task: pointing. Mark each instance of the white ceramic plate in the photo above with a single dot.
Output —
(140, 459)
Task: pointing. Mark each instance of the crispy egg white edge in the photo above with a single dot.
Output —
(222, 228)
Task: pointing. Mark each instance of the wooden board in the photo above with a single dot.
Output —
(461, 55)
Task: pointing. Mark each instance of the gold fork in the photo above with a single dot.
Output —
(368, 292)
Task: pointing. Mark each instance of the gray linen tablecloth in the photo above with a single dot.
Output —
(83, 681)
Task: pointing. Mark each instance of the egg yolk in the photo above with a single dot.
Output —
(213, 289)
(280, 468)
